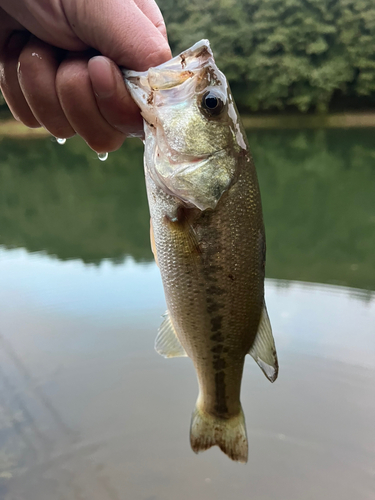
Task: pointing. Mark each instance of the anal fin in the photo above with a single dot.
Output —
(167, 343)
(263, 350)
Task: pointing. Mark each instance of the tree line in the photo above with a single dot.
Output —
(280, 54)
(305, 55)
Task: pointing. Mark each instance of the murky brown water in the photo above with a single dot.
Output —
(89, 411)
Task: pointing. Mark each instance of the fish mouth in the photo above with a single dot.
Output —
(183, 69)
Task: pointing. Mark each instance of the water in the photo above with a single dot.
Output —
(102, 156)
(88, 410)
(60, 141)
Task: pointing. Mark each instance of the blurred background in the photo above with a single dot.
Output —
(284, 55)
(88, 410)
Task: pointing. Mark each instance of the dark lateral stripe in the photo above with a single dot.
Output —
(214, 307)
(215, 290)
(216, 322)
(217, 337)
(221, 404)
(219, 364)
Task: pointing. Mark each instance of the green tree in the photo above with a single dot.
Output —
(282, 53)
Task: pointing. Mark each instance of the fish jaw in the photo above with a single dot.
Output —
(172, 84)
(188, 153)
(168, 75)
(196, 182)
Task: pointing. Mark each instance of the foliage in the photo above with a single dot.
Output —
(282, 53)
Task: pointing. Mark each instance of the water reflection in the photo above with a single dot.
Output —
(317, 191)
(90, 411)
(63, 201)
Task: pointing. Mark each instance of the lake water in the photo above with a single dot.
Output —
(89, 411)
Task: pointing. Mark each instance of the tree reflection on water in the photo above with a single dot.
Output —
(317, 193)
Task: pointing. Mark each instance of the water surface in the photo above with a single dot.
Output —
(88, 410)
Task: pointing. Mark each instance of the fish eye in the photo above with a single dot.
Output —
(212, 104)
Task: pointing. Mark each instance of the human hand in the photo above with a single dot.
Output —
(51, 75)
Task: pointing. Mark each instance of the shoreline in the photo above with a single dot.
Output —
(12, 128)
(333, 120)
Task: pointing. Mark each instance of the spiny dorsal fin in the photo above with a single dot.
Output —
(167, 343)
(263, 350)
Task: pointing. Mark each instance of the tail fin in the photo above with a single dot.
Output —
(227, 433)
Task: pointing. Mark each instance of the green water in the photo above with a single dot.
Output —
(317, 191)
(88, 410)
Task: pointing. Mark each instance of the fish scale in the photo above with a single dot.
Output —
(209, 239)
(190, 289)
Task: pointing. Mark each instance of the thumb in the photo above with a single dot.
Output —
(121, 30)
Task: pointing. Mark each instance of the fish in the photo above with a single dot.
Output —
(207, 236)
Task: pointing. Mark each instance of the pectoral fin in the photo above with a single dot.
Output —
(167, 343)
(153, 246)
(183, 227)
(263, 350)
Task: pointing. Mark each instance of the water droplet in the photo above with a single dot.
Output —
(102, 156)
(60, 141)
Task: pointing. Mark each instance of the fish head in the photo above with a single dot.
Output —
(193, 136)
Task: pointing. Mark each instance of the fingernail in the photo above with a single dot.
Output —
(102, 78)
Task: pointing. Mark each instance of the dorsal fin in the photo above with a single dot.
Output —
(263, 350)
(167, 343)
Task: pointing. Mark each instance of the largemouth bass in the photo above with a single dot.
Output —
(208, 237)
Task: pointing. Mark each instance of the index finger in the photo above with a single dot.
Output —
(152, 11)
(120, 31)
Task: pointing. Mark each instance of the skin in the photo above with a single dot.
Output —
(59, 64)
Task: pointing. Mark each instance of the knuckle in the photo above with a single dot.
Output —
(69, 78)
(160, 25)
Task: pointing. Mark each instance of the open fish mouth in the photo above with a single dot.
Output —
(175, 71)
(151, 87)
